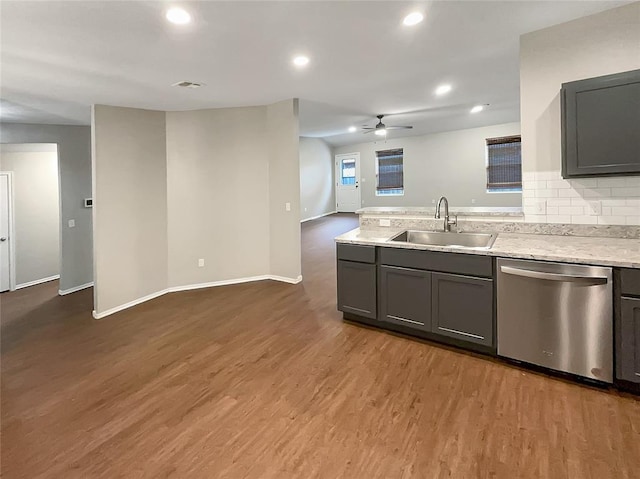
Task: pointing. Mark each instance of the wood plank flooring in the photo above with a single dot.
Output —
(264, 380)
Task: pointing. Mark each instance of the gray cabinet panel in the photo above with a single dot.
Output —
(630, 282)
(628, 357)
(358, 253)
(357, 288)
(463, 308)
(405, 297)
(600, 118)
(461, 263)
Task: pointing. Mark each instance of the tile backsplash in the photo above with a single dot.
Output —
(548, 198)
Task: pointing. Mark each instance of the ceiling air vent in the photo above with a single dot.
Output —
(188, 84)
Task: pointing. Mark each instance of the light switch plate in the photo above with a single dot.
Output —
(540, 207)
(201, 262)
(72, 223)
(287, 206)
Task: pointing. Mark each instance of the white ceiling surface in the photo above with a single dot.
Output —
(58, 58)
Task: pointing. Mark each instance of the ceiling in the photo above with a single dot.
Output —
(58, 58)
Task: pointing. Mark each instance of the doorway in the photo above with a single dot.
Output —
(348, 183)
(29, 215)
(7, 273)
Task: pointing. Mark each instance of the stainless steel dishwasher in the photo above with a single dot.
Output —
(556, 315)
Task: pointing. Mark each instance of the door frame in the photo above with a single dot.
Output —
(12, 230)
(336, 175)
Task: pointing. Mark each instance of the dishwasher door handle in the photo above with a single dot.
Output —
(570, 278)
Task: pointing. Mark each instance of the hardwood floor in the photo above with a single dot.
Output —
(264, 380)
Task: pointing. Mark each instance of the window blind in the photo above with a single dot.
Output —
(504, 163)
(390, 170)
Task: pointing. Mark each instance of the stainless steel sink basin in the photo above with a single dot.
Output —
(450, 239)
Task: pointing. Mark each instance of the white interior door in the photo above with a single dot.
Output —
(348, 183)
(5, 239)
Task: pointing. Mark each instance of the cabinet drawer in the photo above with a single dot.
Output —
(460, 263)
(359, 253)
(630, 282)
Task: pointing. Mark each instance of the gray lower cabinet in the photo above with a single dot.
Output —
(628, 356)
(462, 307)
(357, 288)
(405, 297)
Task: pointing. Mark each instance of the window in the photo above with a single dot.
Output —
(504, 164)
(389, 172)
(348, 171)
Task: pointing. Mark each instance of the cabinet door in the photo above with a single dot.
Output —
(405, 297)
(462, 308)
(357, 288)
(629, 352)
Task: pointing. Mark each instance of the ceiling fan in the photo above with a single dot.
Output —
(381, 128)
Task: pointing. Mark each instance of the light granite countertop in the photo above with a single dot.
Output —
(484, 211)
(567, 249)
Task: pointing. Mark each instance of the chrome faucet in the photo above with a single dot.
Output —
(447, 221)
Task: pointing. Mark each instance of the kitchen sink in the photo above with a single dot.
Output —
(450, 239)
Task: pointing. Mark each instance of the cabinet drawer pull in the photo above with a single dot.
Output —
(405, 320)
(460, 332)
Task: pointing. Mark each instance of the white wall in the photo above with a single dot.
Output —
(600, 44)
(284, 188)
(218, 190)
(452, 164)
(36, 209)
(317, 192)
(130, 205)
(74, 160)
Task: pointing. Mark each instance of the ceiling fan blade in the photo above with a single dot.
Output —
(369, 130)
(399, 127)
(368, 127)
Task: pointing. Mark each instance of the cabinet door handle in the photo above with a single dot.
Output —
(569, 278)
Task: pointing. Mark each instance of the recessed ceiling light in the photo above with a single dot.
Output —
(352, 129)
(179, 16)
(442, 89)
(381, 132)
(477, 109)
(300, 61)
(413, 19)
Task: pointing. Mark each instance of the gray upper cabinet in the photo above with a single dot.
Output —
(405, 297)
(601, 126)
(462, 308)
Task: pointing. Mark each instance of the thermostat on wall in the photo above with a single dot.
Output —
(88, 202)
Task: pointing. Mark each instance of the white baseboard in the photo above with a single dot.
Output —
(130, 304)
(319, 216)
(63, 292)
(38, 281)
(175, 289)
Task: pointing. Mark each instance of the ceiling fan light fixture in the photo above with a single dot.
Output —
(381, 132)
(352, 129)
(477, 108)
(413, 19)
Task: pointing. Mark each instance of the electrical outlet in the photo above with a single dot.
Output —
(305, 210)
(200, 262)
(540, 207)
(385, 222)
(595, 208)
(473, 201)
(433, 201)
